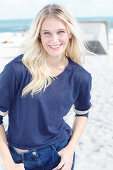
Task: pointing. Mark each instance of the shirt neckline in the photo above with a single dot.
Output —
(69, 60)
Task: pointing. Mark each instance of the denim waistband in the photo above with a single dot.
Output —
(51, 146)
(39, 158)
(41, 150)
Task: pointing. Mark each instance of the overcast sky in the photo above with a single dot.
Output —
(15, 9)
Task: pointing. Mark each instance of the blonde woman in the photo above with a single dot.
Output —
(38, 88)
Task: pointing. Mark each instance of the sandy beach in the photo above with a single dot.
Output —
(95, 148)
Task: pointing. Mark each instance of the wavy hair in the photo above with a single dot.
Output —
(34, 56)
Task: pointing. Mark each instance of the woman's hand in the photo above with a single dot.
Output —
(66, 159)
(15, 166)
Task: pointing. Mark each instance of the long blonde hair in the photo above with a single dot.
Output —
(34, 57)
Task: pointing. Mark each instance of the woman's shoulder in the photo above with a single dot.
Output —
(79, 71)
(77, 68)
(17, 67)
(16, 61)
(16, 64)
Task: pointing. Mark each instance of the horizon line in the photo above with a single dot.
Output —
(75, 17)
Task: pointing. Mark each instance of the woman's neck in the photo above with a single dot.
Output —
(57, 66)
(57, 62)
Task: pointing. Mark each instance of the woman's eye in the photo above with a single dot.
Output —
(46, 33)
(60, 32)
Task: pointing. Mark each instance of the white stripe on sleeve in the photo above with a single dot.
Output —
(3, 113)
(81, 112)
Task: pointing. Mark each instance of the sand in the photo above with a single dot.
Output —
(95, 148)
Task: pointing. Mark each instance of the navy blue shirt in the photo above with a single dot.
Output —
(38, 121)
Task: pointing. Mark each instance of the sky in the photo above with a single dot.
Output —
(20, 9)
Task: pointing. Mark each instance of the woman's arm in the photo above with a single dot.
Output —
(67, 152)
(4, 150)
(5, 153)
(78, 128)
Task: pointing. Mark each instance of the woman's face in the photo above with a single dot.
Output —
(54, 37)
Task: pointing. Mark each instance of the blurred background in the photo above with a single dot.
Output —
(95, 18)
(16, 16)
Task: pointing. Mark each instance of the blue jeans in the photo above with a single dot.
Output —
(45, 158)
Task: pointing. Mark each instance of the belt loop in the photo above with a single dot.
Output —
(52, 147)
(22, 157)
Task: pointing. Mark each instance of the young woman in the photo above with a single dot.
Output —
(38, 88)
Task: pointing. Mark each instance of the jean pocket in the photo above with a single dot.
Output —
(51, 159)
(60, 145)
(16, 156)
(56, 152)
(33, 164)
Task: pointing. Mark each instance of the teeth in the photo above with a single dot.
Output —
(54, 46)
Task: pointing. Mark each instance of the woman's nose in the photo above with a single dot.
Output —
(55, 38)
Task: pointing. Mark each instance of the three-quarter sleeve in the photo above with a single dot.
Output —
(83, 103)
(8, 90)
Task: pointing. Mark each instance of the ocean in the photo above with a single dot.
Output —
(20, 25)
(16, 25)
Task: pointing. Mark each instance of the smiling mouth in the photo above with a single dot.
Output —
(55, 47)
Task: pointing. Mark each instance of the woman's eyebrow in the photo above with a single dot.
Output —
(45, 30)
(57, 30)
